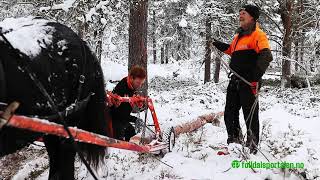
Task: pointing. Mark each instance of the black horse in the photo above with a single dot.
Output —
(58, 58)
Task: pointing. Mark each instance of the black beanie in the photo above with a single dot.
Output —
(252, 10)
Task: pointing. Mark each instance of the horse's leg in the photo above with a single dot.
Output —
(12, 139)
(52, 145)
(61, 158)
(66, 160)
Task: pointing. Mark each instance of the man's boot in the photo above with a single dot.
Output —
(235, 139)
(238, 138)
(230, 139)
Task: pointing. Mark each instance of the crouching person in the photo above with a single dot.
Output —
(121, 112)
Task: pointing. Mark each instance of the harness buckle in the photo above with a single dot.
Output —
(230, 74)
(81, 79)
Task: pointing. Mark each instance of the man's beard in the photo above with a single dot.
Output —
(247, 25)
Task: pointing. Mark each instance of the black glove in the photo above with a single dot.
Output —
(220, 45)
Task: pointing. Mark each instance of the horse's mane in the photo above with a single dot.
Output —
(27, 34)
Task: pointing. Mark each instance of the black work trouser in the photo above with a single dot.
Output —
(123, 131)
(239, 95)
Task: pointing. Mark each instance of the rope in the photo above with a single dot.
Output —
(235, 73)
(254, 105)
(155, 157)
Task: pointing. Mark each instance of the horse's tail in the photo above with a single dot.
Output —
(95, 117)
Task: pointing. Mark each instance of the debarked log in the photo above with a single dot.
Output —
(198, 123)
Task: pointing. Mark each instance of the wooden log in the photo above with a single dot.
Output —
(198, 122)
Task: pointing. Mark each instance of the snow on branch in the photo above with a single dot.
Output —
(66, 5)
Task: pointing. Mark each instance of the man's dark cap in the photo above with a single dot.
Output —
(254, 11)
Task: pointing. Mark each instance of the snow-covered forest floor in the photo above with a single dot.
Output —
(289, 126)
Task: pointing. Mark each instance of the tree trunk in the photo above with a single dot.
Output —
(286, 17)
(167, 52)
(99, 38)
(217, 69)
(154, 45)
(99, 50)
(296, 53)
(173, 46)
(302, 36)
(301, 60)
(178, 51)
(162, 54)
(189, 48)
(207, 68)
(82, 29)
(298, 35)
(138, 37)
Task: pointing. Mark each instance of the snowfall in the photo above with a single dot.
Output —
(289, 127)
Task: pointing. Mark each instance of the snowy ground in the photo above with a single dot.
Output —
(289, 123)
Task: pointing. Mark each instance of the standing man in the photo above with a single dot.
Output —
(121, 112)
(250, 56)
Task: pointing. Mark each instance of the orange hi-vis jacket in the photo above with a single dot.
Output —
(250, 53)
